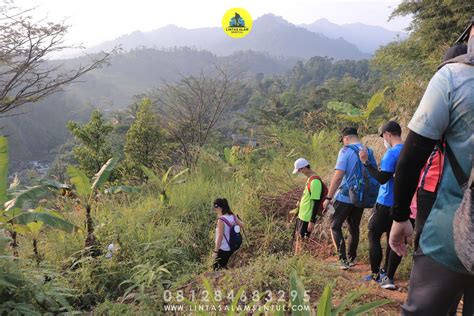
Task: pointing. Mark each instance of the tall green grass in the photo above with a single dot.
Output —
(160, 246)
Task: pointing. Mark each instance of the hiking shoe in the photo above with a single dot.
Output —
(387, 284)
(343, 265)
(372, 277)
(351, 263)
(383, 274)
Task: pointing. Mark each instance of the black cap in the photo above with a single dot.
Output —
(348, 131)
(391, 127)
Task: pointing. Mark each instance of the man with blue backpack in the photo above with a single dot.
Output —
(356, 189)
(380, 221)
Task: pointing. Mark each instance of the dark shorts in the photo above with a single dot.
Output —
(302, 228)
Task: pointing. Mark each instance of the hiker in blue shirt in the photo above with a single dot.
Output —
(347, 167)
(443, 264)
(380, 221)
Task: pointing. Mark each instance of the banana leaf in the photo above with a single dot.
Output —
(80, 181)
(28, 197)
(50, 220)
(104, 173)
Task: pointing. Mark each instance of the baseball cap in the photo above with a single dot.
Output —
(391, 127)
(300, 163)
(348, 131)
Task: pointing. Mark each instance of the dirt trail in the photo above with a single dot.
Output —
(356, 274)
(359, 271)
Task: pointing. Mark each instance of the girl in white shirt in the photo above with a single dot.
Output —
(222, 251)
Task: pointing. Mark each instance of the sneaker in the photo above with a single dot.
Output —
(387, 284)
(351, 263)
(343, 265)
(372, 277)
(383, 274)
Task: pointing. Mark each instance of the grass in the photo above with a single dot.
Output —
(177, 237)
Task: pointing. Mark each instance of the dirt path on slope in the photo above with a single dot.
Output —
(355, 276)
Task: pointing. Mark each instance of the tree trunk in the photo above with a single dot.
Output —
(35, 250)
(91, 241)
(14, 243)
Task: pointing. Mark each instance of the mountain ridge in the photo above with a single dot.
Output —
(357, 33)
(270, 34)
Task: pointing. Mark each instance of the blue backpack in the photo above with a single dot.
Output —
(363, 188)
(235, 238)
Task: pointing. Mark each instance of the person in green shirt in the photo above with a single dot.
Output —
(309, 205)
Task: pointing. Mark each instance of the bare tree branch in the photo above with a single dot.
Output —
(192, 107)
(26, 72)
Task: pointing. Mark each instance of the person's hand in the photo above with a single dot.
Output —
(297, 204)
(400, 235)
(310, 227)
(326, 204)
(363, 154)
(214, 254)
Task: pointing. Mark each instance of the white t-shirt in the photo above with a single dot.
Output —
(224, 244)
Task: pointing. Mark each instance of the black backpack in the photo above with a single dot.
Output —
(235, 238)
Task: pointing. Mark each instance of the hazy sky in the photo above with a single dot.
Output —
(95, 21)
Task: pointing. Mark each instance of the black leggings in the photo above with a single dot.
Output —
(221, 259)
(353, 215)
(380, 223)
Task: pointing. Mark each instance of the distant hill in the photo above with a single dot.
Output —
(367, 38)
(34, 134)
(271, 34)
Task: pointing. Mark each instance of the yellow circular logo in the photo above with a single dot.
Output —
(237, 23)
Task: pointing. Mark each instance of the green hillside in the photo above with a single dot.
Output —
(124, 223)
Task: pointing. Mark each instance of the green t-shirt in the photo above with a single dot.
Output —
(307, 200)
(447, 109)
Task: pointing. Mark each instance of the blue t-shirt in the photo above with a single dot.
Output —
(388, 164)
(347, 161)
(447, 109)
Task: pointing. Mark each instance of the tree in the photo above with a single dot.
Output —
(165, 181)
(32, 223)
(435, 26)
(18, 216)
(362, 117)
(26, 74)
(145, 143)
(87, 192)
(192, 107)
(95, 149)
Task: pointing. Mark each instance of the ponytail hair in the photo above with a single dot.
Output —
(222, 203)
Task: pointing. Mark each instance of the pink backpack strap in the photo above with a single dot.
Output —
(226, 221)
(230, 227)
